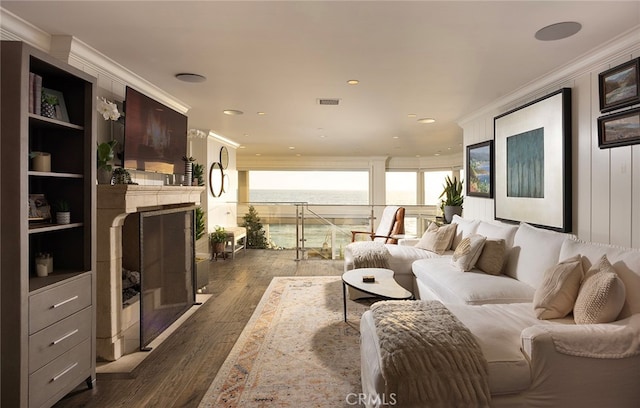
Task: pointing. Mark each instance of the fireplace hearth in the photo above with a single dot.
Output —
(119, 207)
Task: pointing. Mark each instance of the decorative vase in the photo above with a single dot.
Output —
(104, 176)
(450, 211)
(48, 110)
(63, 217)
(188, 172)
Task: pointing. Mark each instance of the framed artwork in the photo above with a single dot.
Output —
(619, 129)
(619, 86)
(533, 163)
(480, 169)
(61, 107)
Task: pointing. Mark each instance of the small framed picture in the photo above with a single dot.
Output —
(39, 208)
(60, 107)
(619, 86)
(619, 129)
(480, 169)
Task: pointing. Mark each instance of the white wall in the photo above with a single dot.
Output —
(606, 182)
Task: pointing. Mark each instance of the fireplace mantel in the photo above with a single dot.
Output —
(131, 198)
(114, 203)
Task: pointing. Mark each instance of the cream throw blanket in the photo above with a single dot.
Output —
(369, 254)
(429, 358)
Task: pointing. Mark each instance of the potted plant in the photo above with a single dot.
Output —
(48, 105)
(198, 173)
(121, 176)
(218, 239)
(452, 204)
(105, 155)
(63, 213)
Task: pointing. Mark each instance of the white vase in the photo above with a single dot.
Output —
(63, 217)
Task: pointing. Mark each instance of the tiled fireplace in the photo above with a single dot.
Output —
(115, 203)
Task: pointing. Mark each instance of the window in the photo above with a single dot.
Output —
(433, 186)
(401, 188)
(313, 187)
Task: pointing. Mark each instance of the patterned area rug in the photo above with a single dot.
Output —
(295, 351)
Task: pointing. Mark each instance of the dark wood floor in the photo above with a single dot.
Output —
(179, 371)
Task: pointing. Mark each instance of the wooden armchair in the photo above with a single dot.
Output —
(391, 223)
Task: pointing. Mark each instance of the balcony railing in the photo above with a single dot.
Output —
(322, 231)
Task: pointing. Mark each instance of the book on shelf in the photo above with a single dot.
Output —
(35, 93)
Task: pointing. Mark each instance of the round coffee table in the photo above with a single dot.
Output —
(383, 286)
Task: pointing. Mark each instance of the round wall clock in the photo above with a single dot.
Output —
(216, 179)
(224, 157)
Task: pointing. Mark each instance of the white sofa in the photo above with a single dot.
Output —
(532, 362)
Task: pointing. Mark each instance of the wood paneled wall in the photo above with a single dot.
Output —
(606, 182)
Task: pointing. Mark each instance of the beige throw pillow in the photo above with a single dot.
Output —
(601, 295)
(437, 239)
(468, 251)
(557, 294)
(492, 257)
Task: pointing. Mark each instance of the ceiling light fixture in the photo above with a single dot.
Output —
(261, 113)
(426, 120)
(189, 77)
(412, 115)
(558, 31)
(353, 82)
(232, 112)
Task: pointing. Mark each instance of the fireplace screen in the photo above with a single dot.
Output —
(167, 254)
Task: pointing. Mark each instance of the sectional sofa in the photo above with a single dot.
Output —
(523, 314)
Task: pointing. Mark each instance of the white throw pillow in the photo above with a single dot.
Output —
(437, 239)
(467, 252)
(601, 295)
(493, 257)
(464, 228)
(558, 292)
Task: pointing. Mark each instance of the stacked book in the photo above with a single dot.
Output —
(35, 93)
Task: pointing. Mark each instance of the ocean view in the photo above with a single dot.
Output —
(318, 236)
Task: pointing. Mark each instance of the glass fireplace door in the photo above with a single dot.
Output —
(167, 255)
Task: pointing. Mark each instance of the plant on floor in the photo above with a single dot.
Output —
(219, 235)
(256, 237)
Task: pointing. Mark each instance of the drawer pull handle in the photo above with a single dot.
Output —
(57, 377)
(71, 299)
(66, 336)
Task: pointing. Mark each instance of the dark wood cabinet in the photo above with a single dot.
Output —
(48, 313)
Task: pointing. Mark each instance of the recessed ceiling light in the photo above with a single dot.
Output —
(261, 113)
(189, 77)
(396, 137)
(232, 112)
(322, 136)
(353, 82)
(558, 31)
(412, 115)
(437, 154)
(426, 120)
(258, 154)
(292, 148)
(242, 147)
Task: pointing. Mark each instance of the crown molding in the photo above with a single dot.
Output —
(617, 47)
(77, 53)
(14, 28)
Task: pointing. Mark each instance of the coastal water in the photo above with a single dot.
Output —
(316, 236)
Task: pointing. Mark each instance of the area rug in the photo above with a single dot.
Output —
(295, 351)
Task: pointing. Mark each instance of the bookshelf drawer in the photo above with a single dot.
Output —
(58, 338)
(51, 305)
